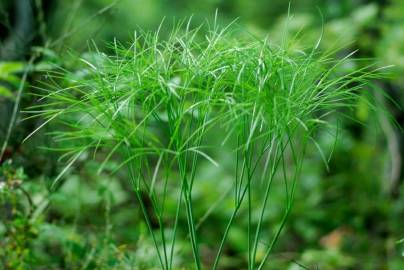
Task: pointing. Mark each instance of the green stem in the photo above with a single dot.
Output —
(144, 211)
(187, 196)
(226, 232)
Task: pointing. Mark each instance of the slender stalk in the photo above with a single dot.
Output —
(177, 216)
(298, 165)
(263, 207)
(226, 232)
(187, 196)
(136, 187)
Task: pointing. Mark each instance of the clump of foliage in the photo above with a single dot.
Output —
(154, 104)
(16, 230)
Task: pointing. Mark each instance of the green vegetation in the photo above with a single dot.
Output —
(198, 146)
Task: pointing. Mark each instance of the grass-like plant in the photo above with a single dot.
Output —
(153, 104)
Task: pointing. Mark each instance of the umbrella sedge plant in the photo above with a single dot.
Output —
(152, 105)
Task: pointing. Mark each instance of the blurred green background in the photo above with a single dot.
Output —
(350, 216)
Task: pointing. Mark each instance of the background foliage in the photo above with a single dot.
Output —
(347, 216)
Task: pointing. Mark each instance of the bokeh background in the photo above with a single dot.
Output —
(347, 216)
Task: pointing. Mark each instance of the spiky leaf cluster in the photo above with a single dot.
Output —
(153, 102)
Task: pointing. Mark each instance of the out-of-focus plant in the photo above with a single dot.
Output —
(9, 78)
(16, 230)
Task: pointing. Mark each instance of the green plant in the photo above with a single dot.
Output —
(17, 231)
(155, 104)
